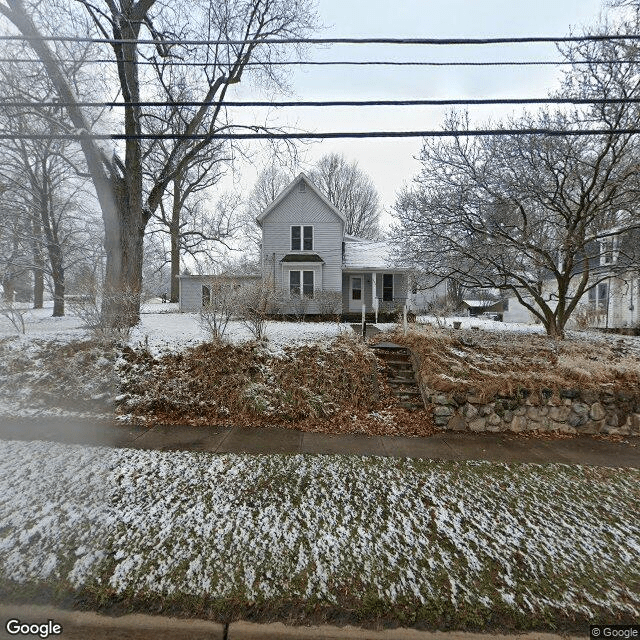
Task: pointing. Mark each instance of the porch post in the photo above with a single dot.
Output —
(374, 296)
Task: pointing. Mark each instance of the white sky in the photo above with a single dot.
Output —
(391, 163)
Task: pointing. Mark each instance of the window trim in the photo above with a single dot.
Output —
(609, 249)
(302, 228)
(598, 295)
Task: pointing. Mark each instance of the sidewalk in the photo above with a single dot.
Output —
(500, 447)
(78, 625)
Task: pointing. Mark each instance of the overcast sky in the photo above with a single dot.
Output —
(391, 163)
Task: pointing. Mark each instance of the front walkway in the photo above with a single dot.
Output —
(443, 446)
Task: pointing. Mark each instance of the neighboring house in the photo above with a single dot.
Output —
(476, 308)
(613, 302)
(195, 290)
(314, 265)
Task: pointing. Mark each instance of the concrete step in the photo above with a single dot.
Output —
(400, 363)
(404, 381)
(402, 393)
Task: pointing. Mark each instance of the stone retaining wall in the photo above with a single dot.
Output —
(566, 411)
(569, 411)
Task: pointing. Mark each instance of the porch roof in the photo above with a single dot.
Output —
(302, 257)
(370, 256)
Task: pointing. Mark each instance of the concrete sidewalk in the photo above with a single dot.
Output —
(83, 625)
(501, 447)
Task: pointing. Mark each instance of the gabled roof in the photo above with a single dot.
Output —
(289, 189)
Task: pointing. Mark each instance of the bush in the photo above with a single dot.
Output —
(329, 303)
(223, 304)
(257, 302)
(89, 307)
(14, 313)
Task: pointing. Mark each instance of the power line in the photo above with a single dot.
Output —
(364, 63)
(392, 41)
(464, 133)
(325, 103)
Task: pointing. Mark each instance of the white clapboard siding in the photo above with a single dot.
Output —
(303, 208)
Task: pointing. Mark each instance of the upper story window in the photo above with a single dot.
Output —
(608, 250)
(301, 238)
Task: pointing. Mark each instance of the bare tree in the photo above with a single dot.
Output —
(43, 175)
(351, 191)
(271, 181)
(532, 216)
(127, 204)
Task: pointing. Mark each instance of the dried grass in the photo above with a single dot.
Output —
(503, 364)
(334, 388)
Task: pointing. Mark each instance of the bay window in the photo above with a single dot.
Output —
(301, 284)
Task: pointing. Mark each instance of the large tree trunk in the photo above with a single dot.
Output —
(124, 239)
(54, 250)
(554, 327)
(57, 271)
(8, 286)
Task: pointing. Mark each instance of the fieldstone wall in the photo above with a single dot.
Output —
(569, 411)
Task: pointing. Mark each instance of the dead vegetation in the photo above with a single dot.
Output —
(491, 364)
(331, 387)
(76, 375)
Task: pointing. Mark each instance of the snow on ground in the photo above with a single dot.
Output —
(486, 324)
(528, 540)
(162, 328)
(42, 374)
(163, 331)
(40, 325)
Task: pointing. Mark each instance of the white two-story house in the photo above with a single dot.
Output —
(309, 258)
(311, 263)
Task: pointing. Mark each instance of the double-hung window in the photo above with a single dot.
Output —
(387, 287)
(301, 238)
(206, 295)
(608, 250)
(301, 284)
(598, 296)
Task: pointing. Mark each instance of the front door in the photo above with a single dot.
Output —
(356, 293)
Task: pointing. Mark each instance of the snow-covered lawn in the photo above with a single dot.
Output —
(471, 543)
(164, 332)
(34, 383)
(486, 324)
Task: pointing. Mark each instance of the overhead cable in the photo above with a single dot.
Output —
(390, 41)
(254, 135)
(321, 103)
(327, 63)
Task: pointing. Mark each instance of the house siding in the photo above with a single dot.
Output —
(619, 311)
(400, 291)
(191, 290)
(304, 208)
(190, 294)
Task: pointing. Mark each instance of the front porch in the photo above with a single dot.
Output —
(377, 292)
